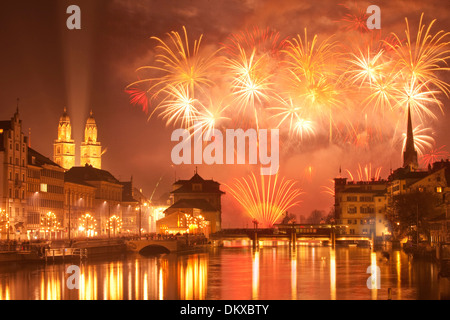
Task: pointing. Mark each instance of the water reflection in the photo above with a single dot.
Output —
(294, 275)
(193, 274)
(332, 274)
(233, 273)
(255, 275)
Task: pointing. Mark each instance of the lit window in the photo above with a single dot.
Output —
(43, 187)
(439, 189)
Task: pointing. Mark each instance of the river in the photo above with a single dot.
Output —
(269, 273)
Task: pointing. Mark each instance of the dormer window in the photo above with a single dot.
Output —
(196, 187)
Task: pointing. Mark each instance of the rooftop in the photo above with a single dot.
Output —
(207, 186)
(89, 173)
(192, 203)
(37, 159)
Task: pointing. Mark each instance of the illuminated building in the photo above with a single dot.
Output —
(136, 211)
(45, 193)
(435, 181)
(194, 197)
(79, 198)
(13, 162)
(64, 146)
(361, 206)
(91, 149)
(108, 193)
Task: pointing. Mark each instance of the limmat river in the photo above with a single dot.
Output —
(269, 273)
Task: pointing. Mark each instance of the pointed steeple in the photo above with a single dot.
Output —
(410, 153)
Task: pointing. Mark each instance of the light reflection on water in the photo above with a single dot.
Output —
(233, 273)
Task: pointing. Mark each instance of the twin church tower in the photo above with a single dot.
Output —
(64, 146)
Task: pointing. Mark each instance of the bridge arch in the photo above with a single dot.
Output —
(153, 249)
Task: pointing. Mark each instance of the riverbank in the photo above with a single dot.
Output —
(63, 250)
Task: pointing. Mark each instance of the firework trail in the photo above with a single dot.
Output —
(266, 199)
(364, 173)
(422, 139)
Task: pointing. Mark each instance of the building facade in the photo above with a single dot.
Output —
(195, 207)
(79, 215)
(107, 203)
(45, 198)
(13, 172)
(361, 206)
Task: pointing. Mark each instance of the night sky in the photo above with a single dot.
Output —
(50, 67)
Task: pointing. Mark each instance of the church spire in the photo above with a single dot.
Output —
(410, 153)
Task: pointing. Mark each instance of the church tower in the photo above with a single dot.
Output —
(410, 153)
(91, 150)
(64, 146)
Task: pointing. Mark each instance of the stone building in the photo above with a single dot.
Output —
(13, 172)
(108, 194)
(45, 198)
(361, 206)
(195, 207)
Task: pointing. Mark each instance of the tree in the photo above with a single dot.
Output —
(409, 210)
(288, 218)
(315, 216)
(331, 217)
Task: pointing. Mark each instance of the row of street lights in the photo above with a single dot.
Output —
(87, 222)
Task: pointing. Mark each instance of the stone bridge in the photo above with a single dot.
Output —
(152, 246)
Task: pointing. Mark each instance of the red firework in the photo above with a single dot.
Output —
(355, 19)
(434, 155)
(264, 41)
(139, 97)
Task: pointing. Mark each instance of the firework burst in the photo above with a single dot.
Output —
(422, 139)
(251, 83)
(261, 40)
(266, 199)
(179, 65)
(179, 107)
(422, 58)
(355, 19)
(208, 118)
(434, 155)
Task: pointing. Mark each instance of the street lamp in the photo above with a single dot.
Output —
(69, 213)
(109, 217)
(87, 224)
(114, 222)
(4, 219)
(49, 223)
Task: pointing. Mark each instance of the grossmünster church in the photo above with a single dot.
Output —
(64, 146)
